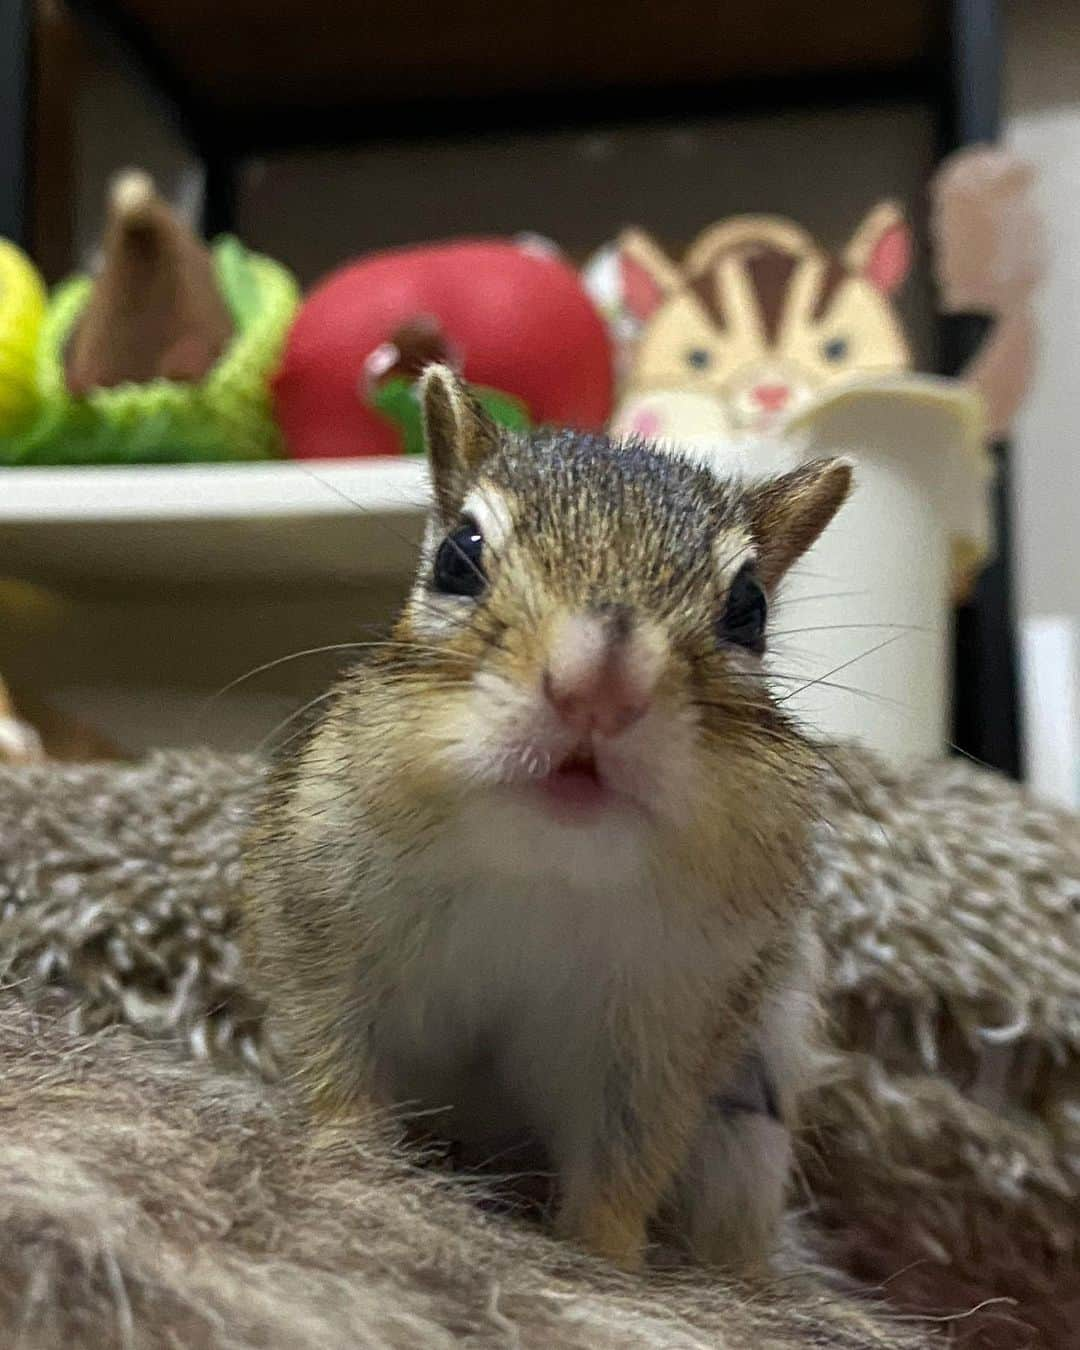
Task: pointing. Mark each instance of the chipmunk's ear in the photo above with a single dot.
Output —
(788, 513)
(459, 436)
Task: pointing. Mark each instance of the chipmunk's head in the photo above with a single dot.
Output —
(587, 629)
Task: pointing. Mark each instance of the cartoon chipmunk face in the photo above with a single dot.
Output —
(756, 321)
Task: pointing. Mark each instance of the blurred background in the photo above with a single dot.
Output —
(317, 136)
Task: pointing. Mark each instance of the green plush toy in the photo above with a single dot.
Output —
(165, 356)
(391, 373)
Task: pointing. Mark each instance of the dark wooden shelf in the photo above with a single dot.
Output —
(239, 55)
(263, 76)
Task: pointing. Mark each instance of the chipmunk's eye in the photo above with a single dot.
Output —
(699, 358)
(745, 612)
(836, 349)
(459, 562)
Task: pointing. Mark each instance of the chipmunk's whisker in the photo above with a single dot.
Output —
(397, 534)
(880, 646)
(292, 717)
(842, 627)
(786, 602)
(308, 651)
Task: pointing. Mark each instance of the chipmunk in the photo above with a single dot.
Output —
(543, 864)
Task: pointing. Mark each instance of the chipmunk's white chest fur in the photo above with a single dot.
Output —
(527, 960)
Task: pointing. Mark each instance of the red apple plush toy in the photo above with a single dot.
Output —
(512, 316)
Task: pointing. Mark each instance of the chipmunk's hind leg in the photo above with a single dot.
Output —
(727, 1201)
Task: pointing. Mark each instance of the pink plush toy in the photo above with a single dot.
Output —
(988, 259)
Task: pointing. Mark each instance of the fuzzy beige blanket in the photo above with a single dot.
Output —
(148, 1202)
(150, 1198)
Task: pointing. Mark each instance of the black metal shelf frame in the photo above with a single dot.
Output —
(962, 88)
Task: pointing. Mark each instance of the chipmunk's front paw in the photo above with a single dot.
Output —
(616, 1233)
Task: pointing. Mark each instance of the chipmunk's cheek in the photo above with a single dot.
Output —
(656, 765)
(491, 736)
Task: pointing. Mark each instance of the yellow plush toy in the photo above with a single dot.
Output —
(22, 308)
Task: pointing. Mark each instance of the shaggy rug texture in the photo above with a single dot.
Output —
(149, 1200)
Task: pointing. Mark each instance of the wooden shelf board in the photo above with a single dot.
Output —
(329, 522)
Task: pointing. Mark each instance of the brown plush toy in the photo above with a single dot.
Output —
(155, 309)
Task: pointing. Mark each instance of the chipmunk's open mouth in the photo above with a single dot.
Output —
(575, 788)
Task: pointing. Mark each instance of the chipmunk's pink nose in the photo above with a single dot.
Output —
(601, 673)
(605, 702)
(771, 397)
